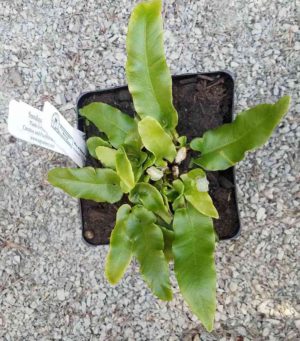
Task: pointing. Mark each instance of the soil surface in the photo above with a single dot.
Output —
(203, 102)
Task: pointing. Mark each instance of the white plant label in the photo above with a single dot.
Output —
(69, 139)
(47, 128)
(25, 123)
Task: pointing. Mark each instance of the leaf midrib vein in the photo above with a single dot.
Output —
(147, 62)
(235, 141)
(114, 125)
(193, 241)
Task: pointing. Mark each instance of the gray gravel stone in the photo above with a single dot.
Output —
(52, 285)
(15, 77)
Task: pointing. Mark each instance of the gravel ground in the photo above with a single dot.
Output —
(51, 284)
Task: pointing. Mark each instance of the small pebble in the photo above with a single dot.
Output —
(261, 214)
(61, 294)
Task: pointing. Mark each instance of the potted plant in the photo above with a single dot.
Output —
(161, 178)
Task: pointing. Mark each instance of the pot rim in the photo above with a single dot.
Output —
(231, 76)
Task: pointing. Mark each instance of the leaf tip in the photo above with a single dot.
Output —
(284, 102)
(209, 327)
(166, 296)
(216, 215)
(169, 296)
(51, 175)
(111, 279)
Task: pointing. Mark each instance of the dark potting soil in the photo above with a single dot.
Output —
(203, 101)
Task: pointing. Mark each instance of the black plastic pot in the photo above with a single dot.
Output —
(203, 101)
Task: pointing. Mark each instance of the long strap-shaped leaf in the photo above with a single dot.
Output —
(200, 200)
(107, 156)
(193, 251)
(109, 120)
(120, 249)
(100, 185)
(148, 246)
(224, 146)
(149, 197)
(147, 72)
(124, 170)
(94, 142)
(156, 140)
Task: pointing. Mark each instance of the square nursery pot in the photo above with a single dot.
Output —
(203, 101)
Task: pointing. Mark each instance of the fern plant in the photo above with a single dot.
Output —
(170, 215)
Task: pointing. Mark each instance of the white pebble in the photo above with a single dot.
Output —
(60, 294)
(261, 214)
